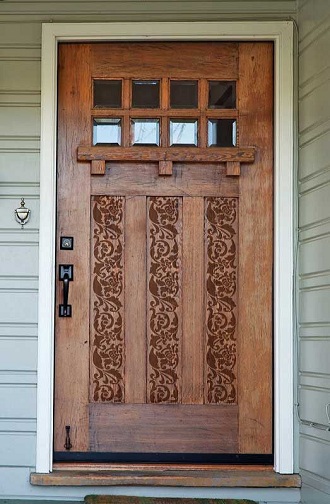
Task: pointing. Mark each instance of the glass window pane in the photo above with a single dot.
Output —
(107, 93)
(183, 131)
(145, 94)
(222, 132)
(184, 94)
(222, 94)
(145, 131)
(107, 131)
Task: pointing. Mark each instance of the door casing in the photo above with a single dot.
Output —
(281, 33)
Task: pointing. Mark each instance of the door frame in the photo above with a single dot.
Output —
(279, 32)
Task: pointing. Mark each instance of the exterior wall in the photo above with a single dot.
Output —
(20, 43)
(314, 257)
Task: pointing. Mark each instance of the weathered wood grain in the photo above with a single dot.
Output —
(256, 250)
(193, 334)
(233, 168)
(179, 113)
(73, 219)
(229, 476)
(190, 178)
(165, 168)
(135, 299)
(123, 499)
(174, 154)
(166, 59)
(98, 167)
(163, 428)
(187, 180)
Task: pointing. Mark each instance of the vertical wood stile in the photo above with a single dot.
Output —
(72, 334)
(164, 105)
(135, 299)
(126, 126)
(203, 105)
(255, 95)
(193, 344)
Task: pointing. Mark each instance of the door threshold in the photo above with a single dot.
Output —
(68, 474)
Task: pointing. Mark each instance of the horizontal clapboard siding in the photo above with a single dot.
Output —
(18, 400)
(20, 122)
(20, 53)
(148, 10)
(18, 353)
(17, 170)
(314, 248)
(22, 442)
(20, 76)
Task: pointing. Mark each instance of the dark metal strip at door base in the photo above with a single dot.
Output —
(169, 458)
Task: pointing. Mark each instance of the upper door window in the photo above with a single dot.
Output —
(165, 112)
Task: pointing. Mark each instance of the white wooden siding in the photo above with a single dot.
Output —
(314, 253)
(148, 10)
(20, 44)
(14, 442)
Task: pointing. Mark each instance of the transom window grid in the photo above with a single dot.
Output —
(202, 113)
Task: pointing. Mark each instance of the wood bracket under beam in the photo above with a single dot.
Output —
(233, 168)
(165, 168)
(98, 167)
(232, 156)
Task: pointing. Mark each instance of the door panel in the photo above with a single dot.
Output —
(163, 428)
(179, 287)
(169, 347)
(169, 60)
(188, 179)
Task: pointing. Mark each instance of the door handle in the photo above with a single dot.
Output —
(66, 276)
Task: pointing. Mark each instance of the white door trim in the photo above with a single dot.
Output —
(281, 33)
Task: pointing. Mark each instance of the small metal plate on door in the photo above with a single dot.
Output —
(66, 243)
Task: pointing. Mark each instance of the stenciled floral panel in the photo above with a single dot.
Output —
(164, 299)
(107, 324)
(221, 232)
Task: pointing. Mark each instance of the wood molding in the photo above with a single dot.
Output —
(281, 33)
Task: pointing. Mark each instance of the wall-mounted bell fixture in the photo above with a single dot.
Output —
(22, 214)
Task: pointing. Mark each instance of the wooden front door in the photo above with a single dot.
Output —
(164, 223)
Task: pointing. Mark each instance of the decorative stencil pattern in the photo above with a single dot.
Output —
(165, 216)
(221, 286)
(107, 296)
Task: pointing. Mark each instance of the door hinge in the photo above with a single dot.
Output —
(67, 444)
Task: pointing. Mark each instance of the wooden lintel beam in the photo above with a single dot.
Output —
(175, 154)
